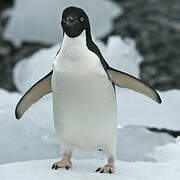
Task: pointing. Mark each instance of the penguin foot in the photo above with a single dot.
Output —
(106, 169)
(64, 163)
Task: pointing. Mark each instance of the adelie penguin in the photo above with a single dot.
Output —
(84, 97)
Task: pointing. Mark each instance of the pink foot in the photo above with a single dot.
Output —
(106, 169)
(64, 163)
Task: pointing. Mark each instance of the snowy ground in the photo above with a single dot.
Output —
(40, 20)
(166, 168)
(84, 169)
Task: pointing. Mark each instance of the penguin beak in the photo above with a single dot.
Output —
(70, 20)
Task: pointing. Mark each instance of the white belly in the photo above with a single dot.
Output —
(84, 102)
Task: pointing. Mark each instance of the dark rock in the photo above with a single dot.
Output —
(4, 4)
(155, 26)
(163, 130)
(9, 54)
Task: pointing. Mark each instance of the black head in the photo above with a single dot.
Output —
(74, 21)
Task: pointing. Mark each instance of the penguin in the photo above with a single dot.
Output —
(84, 97)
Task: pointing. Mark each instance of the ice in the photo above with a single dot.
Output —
(136, 109)
(168, 152)
(84, 169)
(138, 138)
(119, 53)
(135, 143)
(40, 20)
(30, 70)
(24, 140)
(123, 55)
(166, 167)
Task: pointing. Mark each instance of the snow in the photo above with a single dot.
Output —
(84, 169)
(40, 20)
(123, 55)
(166, 167)
(168, 152)
(136, 109)
(24, 140)
(135, 143)
(29, 70)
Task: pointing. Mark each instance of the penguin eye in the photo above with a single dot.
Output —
(81, 19)
(64, 20)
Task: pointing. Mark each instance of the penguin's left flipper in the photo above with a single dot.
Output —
(38, 90)
(122, 79)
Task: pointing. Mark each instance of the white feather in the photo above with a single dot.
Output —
(84, 99)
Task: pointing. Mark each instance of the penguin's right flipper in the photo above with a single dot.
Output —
(122, 79)
(38, 90)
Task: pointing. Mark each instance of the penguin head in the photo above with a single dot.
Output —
(74, 21)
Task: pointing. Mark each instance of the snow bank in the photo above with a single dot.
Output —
(84, 169)
(135, 143)
(166, 167)
(24, 140)
(166, 153)
(40, 20)
(136, 109)
(30, 70)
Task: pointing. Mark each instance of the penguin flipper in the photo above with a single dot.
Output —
(122, 79)
(38, 90)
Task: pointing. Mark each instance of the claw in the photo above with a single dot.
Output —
(56, 167)
(106, 169)
(97, 169)
(62, 164)
(102, 171)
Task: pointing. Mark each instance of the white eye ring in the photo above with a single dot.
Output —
(81, 19)
(64, 20)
